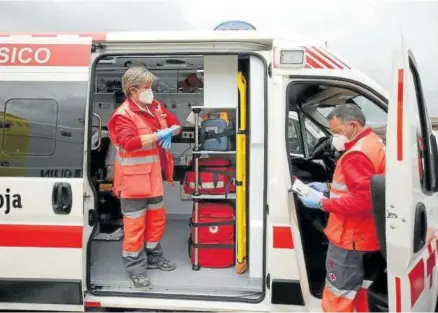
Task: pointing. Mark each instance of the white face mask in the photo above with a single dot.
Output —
(146, 96)
(339, 142)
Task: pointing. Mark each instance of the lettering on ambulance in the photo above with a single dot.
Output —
(24, 55)
(44, 55)
(8, 200)
(59, 172)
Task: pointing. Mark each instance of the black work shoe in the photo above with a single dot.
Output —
(157, 261)
(140, 281)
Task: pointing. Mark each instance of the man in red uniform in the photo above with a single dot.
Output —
(351, 229)
(141, 130)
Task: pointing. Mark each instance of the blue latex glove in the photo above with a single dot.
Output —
(312, 199)
(166, 142)
(321, 187)
(163, 133)
(175, 129)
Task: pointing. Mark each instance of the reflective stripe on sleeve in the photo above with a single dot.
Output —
(339, 186)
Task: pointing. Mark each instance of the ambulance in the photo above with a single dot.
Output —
(61, 230)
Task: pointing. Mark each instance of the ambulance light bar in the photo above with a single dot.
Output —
(292, 57)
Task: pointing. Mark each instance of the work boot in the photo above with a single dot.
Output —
(157, 261)
(140, 281)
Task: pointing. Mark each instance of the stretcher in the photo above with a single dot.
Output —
(241, 255)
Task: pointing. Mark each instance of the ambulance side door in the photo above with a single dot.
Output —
(411, 193)
(43, 95)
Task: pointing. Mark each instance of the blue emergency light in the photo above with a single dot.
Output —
(235, 25)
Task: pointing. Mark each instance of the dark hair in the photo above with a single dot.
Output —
(347, 113)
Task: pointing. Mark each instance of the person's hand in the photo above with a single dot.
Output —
(321, 187)
(166, 142)
(163, 133)
(312, 200)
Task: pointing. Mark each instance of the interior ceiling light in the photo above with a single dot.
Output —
(174, 63)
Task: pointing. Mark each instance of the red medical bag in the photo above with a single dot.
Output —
(216, 177)
(215, 223)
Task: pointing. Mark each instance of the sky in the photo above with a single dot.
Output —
(363, 33)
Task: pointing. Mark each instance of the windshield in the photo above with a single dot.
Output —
(318, 133)
(374, 115)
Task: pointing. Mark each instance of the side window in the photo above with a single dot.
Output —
(292, 137)
(29, 127)
(423, 127)
(42, 129)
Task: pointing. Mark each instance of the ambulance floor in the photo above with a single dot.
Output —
(108, 273)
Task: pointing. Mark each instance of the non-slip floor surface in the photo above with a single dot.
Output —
(108, 273)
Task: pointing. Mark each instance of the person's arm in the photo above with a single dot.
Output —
(357, 170)
(127, 136)
(171, 119)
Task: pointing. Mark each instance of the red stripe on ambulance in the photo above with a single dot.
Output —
(398, 301)
(92, 304)
(400, 115)
(417, 278)
(282, 237)
(41, 236)
(416, 281)
(44, 55)
(332, 58)
(318, 58)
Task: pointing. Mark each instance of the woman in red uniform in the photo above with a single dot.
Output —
(141, 130)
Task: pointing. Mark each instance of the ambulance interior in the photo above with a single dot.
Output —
(211, 81)
(313, 158)
(183, 82)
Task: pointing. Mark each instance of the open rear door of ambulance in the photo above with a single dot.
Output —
(411, 206)
(43, 92)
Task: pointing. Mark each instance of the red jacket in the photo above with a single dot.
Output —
(358, 170)
(351, 224)
(126, 133)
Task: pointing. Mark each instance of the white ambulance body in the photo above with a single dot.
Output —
(51, 202)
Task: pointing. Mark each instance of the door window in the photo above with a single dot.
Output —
(423, 127)
(293, 138)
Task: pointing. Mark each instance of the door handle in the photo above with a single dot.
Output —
(62, 198)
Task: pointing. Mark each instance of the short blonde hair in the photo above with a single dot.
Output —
(136, 76)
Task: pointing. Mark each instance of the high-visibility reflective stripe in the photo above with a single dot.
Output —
(339, 186)
(334, 195)
(151, 245)
(137, 153)
(135, 214)
(133, 254)
(208, 185)
(156, 206)
(138, 160)
(349, 294)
